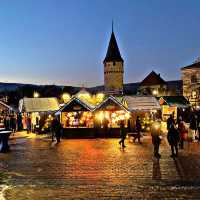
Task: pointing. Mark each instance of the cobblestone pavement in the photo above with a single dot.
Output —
(98, 169)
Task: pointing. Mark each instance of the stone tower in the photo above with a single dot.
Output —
(113, 68)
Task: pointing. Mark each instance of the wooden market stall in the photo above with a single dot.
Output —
(173, 105)
(144, 106)
(107, 116)
(38, 111)
(5, 110)
(77, 119)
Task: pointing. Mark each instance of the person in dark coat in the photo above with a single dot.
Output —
(19, 122)
(7, 123)
(170, 122)
(122, 134)
(56, 128)
(194, 126)
(13, 123)
(28, 124)
(173, 139)
(156, 137)
(138, 129)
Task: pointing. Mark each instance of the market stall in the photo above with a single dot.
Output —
(37, 113)
(76, 118)
(146, 107)
(6, 112)
(107, 116)
(173, 105)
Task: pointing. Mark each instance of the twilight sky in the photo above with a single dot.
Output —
(65, 41)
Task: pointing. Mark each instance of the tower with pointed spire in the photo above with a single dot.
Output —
(113, 68)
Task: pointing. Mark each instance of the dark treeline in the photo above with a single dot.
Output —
(12, 97)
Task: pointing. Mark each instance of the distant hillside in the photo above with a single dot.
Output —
(10, 86)
(129, 88)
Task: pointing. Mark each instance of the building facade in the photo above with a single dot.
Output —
(155, 85)
(113, 68)
(190, 76)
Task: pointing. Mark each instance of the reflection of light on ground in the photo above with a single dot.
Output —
(91, 169)
(3, 188)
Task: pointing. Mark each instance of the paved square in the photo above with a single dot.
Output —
(98, 169)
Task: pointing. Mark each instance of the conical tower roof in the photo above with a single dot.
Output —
(113, 53)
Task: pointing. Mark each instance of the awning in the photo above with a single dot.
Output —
(178, 101)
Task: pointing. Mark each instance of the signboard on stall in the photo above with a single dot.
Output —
(169, 110)
(77, 108)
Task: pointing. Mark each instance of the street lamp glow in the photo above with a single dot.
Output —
(66, 97)
(155, 92)
(36, 95)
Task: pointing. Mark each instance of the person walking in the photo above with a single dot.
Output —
(56, 128)
(28, 124)
(182, 132)
(138, 129)
(193, 126)
(122, 134)
(13, 123)
(173, 139)
(156, 137)
(170, 122)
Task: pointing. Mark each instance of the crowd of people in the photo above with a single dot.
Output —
(11, 122)
(177, 133)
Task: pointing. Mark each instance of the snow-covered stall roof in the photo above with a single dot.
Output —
(2, 104)
(38, 104)
(75, 104)
(137, 102)
(109, 103)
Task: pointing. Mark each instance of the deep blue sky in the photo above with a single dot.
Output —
(65, 41)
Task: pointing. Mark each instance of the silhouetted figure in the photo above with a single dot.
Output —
(19, 122)
(173, 139)
(28, 124)
(138, 129)
(13, 123)
(7, 123)
(170, 122)
(122, 134)
(56, 128)
(156, 137)
(106, 128)
(194, 126)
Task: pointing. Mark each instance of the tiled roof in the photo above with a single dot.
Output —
(152, 79)
(194, 65)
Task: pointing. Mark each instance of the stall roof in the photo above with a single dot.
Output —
(145, 103)
(38, 104)
(6, 106)
(178, 101)
(72, 106)
(110, 102)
